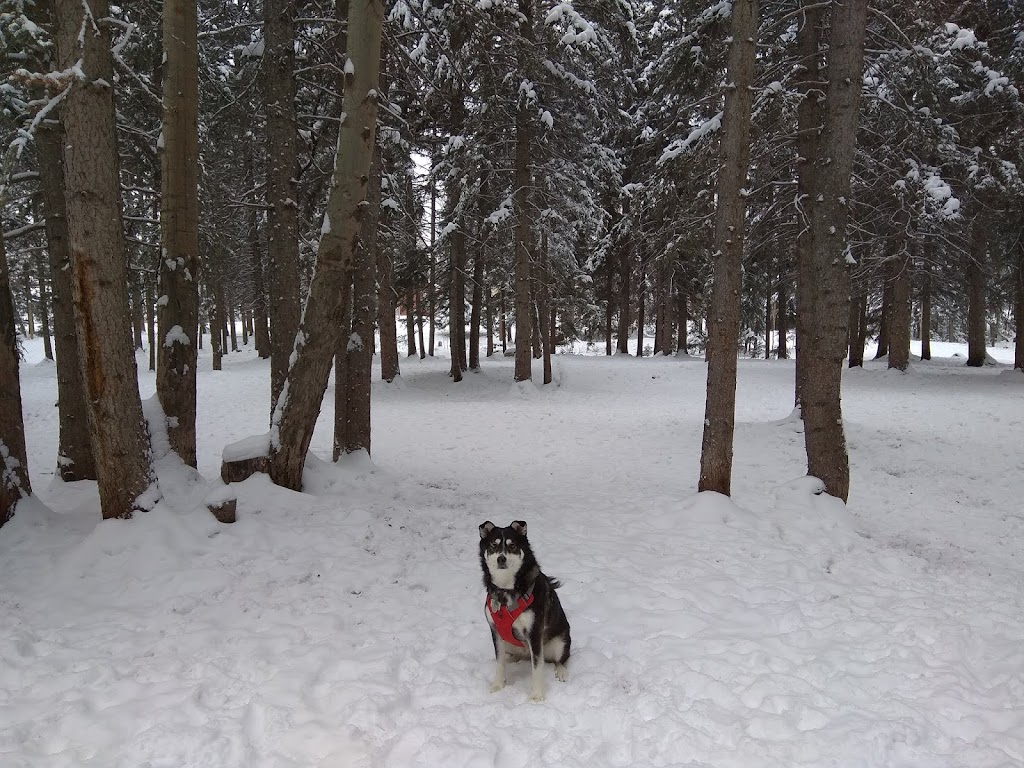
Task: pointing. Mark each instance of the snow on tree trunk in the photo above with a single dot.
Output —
(317, 339)
(824, 438)
(724, 308)
(74, 453)
(282, 196)
(178, 307)
(120, 437)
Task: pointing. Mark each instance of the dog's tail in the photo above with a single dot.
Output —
(554, 583)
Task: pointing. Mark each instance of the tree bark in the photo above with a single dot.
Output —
(809, 125)
(389, 366)
(899, 328)
(609, 311)
(724, 311)
(457, 290)
(178, 308)
(782, 318)
(282, 195)
(641, 317)
(1018, 308)
(316, 342)
(858, 310)
(74, 453)
(885, 315)
(824, 438)
(524, 213)
(14, 480)
(352, 379)
(547, 326)
(926, 306)
(44, 307)
(476, 310)
(119, 435)
(976, 294)
(683, 319)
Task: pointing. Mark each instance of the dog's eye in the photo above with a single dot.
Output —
(508, 542)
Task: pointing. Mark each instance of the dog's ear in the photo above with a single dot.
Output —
(486, 528)
(519, 526)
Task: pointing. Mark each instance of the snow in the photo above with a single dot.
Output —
(343, 626)
(176, 335)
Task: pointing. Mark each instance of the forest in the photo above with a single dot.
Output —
(298, 172)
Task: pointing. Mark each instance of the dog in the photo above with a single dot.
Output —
(523, 611)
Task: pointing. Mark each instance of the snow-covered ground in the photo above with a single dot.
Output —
(344, 627)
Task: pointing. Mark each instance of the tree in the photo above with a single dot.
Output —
(724, 312)
(120, 438)
(282, 194)
(14, 481)
(74, 453)
(178, 305)
(316, 342)
(825, 348)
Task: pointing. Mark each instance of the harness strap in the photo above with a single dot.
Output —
(503, 618)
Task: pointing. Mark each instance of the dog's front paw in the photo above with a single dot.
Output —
(561, 674)
(537, 695)
(497, 685)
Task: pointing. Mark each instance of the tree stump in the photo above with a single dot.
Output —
(243, 459)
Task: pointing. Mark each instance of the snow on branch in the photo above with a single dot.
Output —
(678, 147)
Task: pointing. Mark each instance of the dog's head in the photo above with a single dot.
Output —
(503, 551)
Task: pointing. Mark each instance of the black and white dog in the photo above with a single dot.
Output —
(523, 611)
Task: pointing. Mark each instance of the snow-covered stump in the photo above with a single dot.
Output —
(222, 502)
(245, 458)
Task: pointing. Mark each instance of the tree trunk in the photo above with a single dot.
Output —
(782, 318)
(858, 309)
(232, 331)
(44, 307)
(282, 169)
(489, 320)
(119, 435)
(724, 310)
(354, 359)
(899, 328)
(138, 318)
(457, 288)
(547, 326)
(14, 481)
(824, 438)
(926, 306)
(502, 322)
(218, 320)
(537, 344)
(178, 312)
(609, 312)
(809, 125)
(976, 294)
(317, 340)
(768, 324)
(432, 285)
(477, 310)
(524, 213)
(389, 367)
(260, 328)
(74, 453)
(150, 326)
(885, 316)
(683, 319)
(625, 274)
(641, 318)
(30, 319)
(1018, 307)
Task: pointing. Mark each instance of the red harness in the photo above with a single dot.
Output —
(503, 618)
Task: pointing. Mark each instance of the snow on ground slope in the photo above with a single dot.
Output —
(343, 627)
